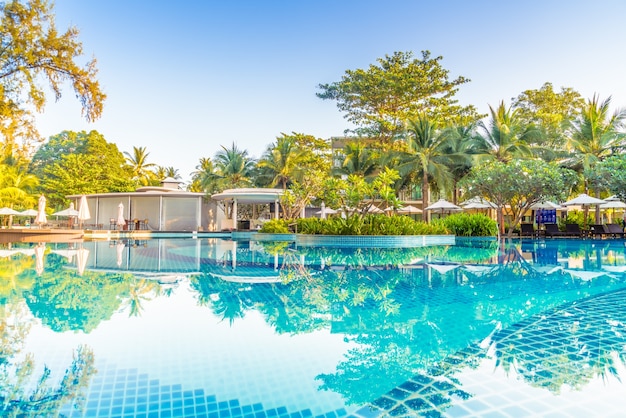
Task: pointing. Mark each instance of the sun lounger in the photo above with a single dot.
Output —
(527, 230)
(552, 230)
(573, 230)
(599, 231)
(616, 230)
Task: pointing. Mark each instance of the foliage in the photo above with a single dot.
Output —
(34, 50)
(575, 217)
(358, 158)
(518, 185)
(368, 225)
(275, 226)
(80, 163)
(549, 111)
(233, 168)
(469, 225)
(610, 174)
(141, 168)
(380, 98)
(302, 193)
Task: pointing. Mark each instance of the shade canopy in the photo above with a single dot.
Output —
(443, 205)
(583, 199)
(28, 212)
(613, 204)
(67, 212)
(408, 209)
(8, 211)
(546, 204)
(478, 203)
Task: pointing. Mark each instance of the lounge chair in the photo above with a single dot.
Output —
(598, 231)
(527, 230)
(573, 230)
(615, 230)
(552, 230)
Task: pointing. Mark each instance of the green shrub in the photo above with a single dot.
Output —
(275, 226)
(369, 225)
(469, 225)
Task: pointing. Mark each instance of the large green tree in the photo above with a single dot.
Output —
(517, 185)
(550, 111)
(281, 161)
(80, 163)
(142, 170)
(33, 51)
(233, 168)
(381, 98)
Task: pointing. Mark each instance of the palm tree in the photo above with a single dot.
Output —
(358, 159)
(595, 134)
(140, 166)
(233, 167)
(16, 188)
(428, 154)
(281, 161)
(203, 179)
(506, 136)
(460, 147)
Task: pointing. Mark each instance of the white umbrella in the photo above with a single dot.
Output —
(325, 211)
(120, 252)
(10, 253)
(585, 275)
(444, 206)
(613, 204)
(81, 260)
(476, 205)
(480, 201)
(583, 199)
(374, 209)
(120, 215)
(83, 210)
(443, 268)
(408, 209)
(39, 251)
(67, 212)
(9, 211)
(546, 205)
(28, 212)
(41, 212)
(69, 254)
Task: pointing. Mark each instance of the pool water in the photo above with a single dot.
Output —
(212, 327)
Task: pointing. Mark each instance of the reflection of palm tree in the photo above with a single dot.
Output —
(140, 291)
(225, 298)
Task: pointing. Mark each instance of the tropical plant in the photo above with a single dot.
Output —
(281, 160)
(359, 159)
(506, 136)
(470, 225)
(233, 168)
(141, 168)
(204, 179)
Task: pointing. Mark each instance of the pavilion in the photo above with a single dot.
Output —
(264, 202)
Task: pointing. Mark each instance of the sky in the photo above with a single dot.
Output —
(185, 78)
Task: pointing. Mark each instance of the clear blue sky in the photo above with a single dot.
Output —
(183, 78)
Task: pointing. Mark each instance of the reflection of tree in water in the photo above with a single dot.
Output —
(227, 299)
(66, 301)
(139, 291)
(568, 346)
(22, 393)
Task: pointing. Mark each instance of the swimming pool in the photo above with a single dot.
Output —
(220, 328)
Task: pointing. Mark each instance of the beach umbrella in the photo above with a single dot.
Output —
(444, 206)
(39, 252)
(478, 203)
(120, 215)
(613, 204)
(443, 268)
(585, 201)
(67, 212)
(374, 209)
(119, 249)
(68, 253)
(546, 204)
(585, 275)
(83, 210)
(12, 252)
(82, 254)
(410, 210)
(325, 211)
(9, 211)
(28, 212)
(41, 212)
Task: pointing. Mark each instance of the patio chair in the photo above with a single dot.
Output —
(598, 231)
(573, 230)
(552, 230)
(527, 230)
(616, 230)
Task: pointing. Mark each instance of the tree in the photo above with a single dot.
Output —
(506, 136)
(358, 159)
(518, 185)
(233, 168)
(203, 179)
(610, 174)
(16, 188)
(282, 161)
(34, 50)
(427, 154)
(595, 134)
(381, 98)
(549, 111)
(79, 163)
(140, 166)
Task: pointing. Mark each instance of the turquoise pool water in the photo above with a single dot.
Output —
(219, 328)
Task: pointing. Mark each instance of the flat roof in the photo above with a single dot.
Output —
(250, 195)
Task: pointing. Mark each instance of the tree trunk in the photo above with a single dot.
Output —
(425, 197)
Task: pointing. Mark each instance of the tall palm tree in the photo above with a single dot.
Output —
(281, 161)
(233, 167)
(428, 154)
(506, 136)
(203, 179)
(141, 168)
(460, 147)
(596, 134)
(358, 159)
